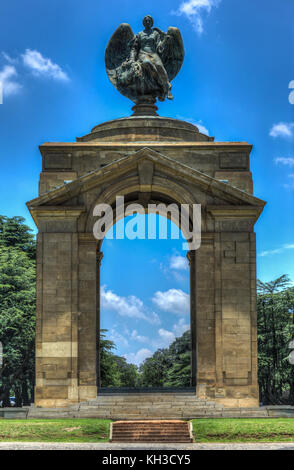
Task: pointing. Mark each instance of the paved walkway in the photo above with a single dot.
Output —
(108, 446)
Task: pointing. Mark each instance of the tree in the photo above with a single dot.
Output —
(14, 233)
(179, 375)
(17, 310)
(154, 369)
(170, 367)
(128, 372)
(109, 373)
(114, 370)
(275, 305)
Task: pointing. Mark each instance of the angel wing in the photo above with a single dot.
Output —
(172, 51)
(118, 49)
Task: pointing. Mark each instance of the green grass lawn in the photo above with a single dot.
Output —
(243, 430)
(97, 430)
(54, 430)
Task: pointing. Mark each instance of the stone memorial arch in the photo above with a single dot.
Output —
(146, 158)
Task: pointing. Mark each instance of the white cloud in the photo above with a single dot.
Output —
(9, 85)
(166, 337)
(202, 128)
(289, 246)
(180, 327)
(178, 262)
(291, 185)
(43, 66)
(139, 338)
(194, 9)
(8, 58)
(130, 306)
(288, 161)
(173, 300)
(117, 338)
(282, 129)
(176, 267)
(198, 124)
(138, 357)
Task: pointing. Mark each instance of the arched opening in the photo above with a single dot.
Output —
(145, 307)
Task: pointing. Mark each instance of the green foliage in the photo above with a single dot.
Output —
(128, 373)
(275, 305)
(17, 310)
(14, 233)
(154, 369)
(168, 367)
(109, 372)
(179, 375)
(114, 370)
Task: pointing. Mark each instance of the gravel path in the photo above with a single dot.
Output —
(108, 446)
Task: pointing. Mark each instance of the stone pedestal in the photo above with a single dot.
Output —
(161, 160)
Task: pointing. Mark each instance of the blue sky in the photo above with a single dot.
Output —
(234, 82)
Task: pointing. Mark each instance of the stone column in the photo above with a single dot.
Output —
(191, 255)
(98, 266)
(88, 321)
(205, 307)
(56, 334)
(239, 318)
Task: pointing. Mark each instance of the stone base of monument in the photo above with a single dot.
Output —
(132, 410)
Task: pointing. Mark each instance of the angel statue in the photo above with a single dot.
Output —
(142, 66)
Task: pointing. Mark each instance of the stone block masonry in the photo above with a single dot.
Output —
(146, 159)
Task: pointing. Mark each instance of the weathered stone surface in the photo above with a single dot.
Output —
(166, 160)
(145, 129)
(106, 409)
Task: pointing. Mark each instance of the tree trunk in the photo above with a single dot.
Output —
(24, 393)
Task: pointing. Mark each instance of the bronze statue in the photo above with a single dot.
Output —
(142, 66)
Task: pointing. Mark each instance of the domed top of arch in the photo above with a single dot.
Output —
(145, 129)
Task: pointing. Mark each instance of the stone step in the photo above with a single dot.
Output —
(140, 427)
(156, 440)
(155, 412)
(151, 431)
(118, 402)
(151, 409)
(145, 403)
(146, 400)
(154, 394)
(139, 414)
(148, 397)
(146, 423)
(148, 433)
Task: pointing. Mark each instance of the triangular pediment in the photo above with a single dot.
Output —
(146, 161)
